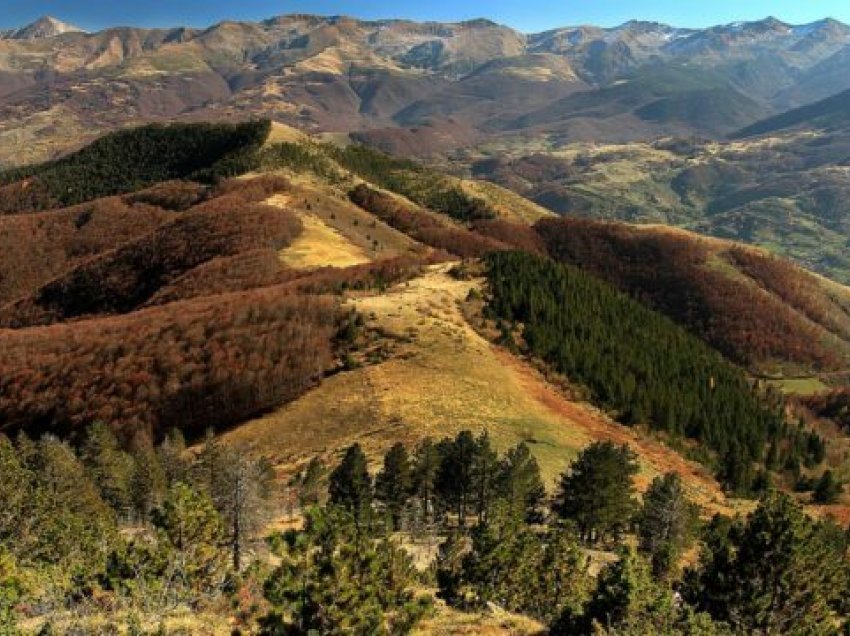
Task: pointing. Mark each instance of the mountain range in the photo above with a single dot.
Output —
(330, 240)
(423, 88)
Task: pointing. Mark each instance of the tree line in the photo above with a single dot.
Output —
(133, 159)
(642, 366)
(504, 541)
(154, 527)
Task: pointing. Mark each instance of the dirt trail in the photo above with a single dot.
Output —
(443, 377)
(702, 487)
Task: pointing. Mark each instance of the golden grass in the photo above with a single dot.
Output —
(281, 133)
(319, 246)
(507, 204)
(179, 621)
(493, 622)
(441, 378)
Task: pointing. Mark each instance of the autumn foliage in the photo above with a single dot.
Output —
(206, 362)
(37, 248)
(423, 226)
(683, 278)
(120, 280)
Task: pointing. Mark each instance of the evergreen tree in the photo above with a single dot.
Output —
(597, 492)
(335, 579)
(510, 564)
(626, 594)
(205, 468)
(172, 457)
(310, 483)
(148, 480)
(455, 477)
(450, 570)
(109, 466)
(192, 534)
(519, 483)
(75, 528)
(666, 524)
(827, 490)
(484, 474)
(627, 601)
(426, 468)
(775, 573)
(11, 590)
(350, 485)
(394, 483)
(16, 497)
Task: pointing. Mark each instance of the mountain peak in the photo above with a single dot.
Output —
(43, 28)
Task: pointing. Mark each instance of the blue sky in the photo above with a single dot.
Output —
(526, 15)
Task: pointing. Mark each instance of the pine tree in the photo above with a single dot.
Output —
(485, 466)
(597, 492)
(205, 468)
(455, 477)
(11, 590)
(109, 466)
(519, 483)
(394, 483)
(310, 482)
(335, 579)
(172, 457)
(666, 524)
(192, 535)
(426, 468)
(827, 490)
(75, 527)
(148, 481)
(16, 497)
(775, 573)
(350, 485)
(626, 594)
(627, 601)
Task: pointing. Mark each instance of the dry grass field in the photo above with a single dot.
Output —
(441, 377)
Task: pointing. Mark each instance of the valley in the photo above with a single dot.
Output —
(343, 326)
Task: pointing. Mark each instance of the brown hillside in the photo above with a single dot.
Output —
(760, 311)
(122, 279)
(425, 227)
(192, 365)
(36, 248)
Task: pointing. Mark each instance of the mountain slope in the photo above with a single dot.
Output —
(427, 89)
(758, 310)
(43, 28)
(226, 295)
(828, 114)
(786, 193)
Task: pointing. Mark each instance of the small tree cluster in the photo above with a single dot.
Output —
(460, 478)
(148, 528)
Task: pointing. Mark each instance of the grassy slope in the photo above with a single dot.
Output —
(442, 377)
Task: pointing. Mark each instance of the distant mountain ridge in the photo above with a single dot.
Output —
(832, 113)
(421, 88)
(44, 28)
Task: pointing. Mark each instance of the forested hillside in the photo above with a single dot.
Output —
(760, 311)
(422, 381)
(449, 528)
(133, 159)
(641, 365)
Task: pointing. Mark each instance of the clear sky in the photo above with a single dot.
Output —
(526, 15)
